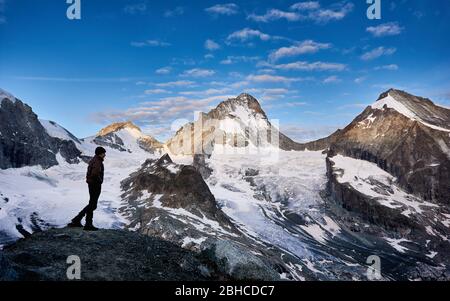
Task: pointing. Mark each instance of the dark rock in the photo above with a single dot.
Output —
(25, 142)
(134, 257)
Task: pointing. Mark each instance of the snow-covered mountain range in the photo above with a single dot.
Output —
(232, 183)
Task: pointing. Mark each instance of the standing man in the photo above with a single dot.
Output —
(94, 178)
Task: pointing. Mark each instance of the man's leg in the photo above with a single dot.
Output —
(94, 192)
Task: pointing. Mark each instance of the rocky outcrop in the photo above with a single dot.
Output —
(133, 257)
(25, 142)
(161, 184)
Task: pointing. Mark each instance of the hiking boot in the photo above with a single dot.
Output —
(75, 224)
(90, 228)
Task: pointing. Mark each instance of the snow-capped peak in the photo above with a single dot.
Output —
(115, 127)
(242, 107)
(415, 108)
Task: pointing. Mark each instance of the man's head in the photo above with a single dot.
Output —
(101, 152)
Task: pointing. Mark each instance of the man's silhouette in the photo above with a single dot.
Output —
(94, 178)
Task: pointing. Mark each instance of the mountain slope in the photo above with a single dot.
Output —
(25, 142)
(407, 136)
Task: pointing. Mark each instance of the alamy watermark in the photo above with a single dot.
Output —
(74, 270)
(374, 269)
(374, 9)
(74, 10)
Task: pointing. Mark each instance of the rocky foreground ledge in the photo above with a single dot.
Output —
(110, 255)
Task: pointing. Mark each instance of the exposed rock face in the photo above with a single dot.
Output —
(133, 257)
(163, 184)
(237, 122)
(25, 142)
(407, 136)
(113, 136)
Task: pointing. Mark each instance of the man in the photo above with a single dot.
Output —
(94, 178)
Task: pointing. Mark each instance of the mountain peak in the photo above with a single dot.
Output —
(244, 100)
(117, 126)
(415, 108)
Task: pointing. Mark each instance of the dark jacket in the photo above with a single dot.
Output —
(95, 171)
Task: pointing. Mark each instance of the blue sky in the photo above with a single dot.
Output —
(314, 65)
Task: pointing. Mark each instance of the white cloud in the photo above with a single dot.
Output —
(197, 72)
(162, 112)
(164, 70)
(308, 5)
(392, 67)
(133, 9)
(304, 47)
(180, 83)
(150, 43)
(247, 34)
(335, 12)
(378, 52)
(307, 11)
(209, 56)
(223, 9)
(234, 59)
(306, 66)
(177, 11)
(268, 78)
(207, 92)
(331, 80)
(359, 80)
(386, 29)
(156, 91)
(211, 45)
(274, 14)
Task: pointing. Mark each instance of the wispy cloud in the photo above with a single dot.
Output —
(306, 11)
(227, 9)
(308, 5)
(76, 79)
(247, 34)
(156, 91)
(177, 11)
(386, 29)
(137, 8)
(211, 45)
(160, 113)
(268, 78)
(179, 83)
(392, 67)
(197, 72)
(332, 80)
(304, 47)
(307, 66)
(164, 70)
(150, 43)
(360, 79)
(274, 14)
(378, 52)
(235, 59)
